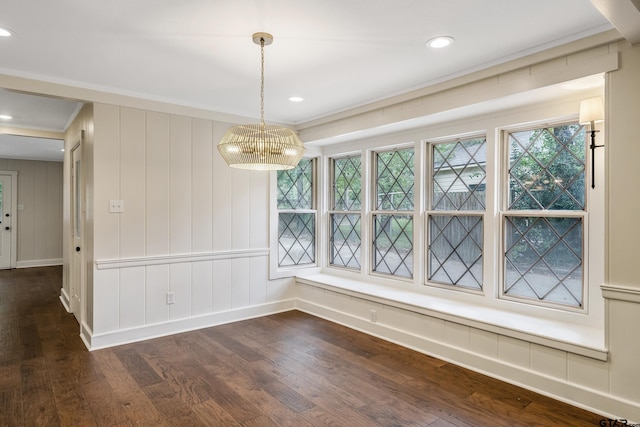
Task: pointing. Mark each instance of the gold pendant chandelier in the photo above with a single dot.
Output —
(261, 146)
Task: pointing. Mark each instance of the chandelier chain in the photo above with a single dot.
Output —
(262, 80)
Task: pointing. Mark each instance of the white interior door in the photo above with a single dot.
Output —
(6, 220)
(77, 207)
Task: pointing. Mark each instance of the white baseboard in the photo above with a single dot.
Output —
(85, 335)
(582, 397)
(110, 339)
(39, 263)
(64, 298)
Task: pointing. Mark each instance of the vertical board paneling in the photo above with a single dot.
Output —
(180, 283)
(110, 170)
(157, 285)
(179, 197)
(106, 313)
(434, 328)
(26, 197)
(201, 288)
(240, 208)
(40, 203)
(549, 361)
(588, 372)
(222, 285)
(157, 179)
(259, 210)
(132, 183)
(132, 297)
(624, 343)
(280, 289)
(258, 280)
(240, 282)
(201, 178)
(54, 211)
(223, 196)
(180, 185)
(483, 342)
(514, 351)
(456, 334)
(413, 322)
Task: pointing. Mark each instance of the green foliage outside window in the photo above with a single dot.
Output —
(547, 168)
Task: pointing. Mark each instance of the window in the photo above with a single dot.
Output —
(393, 213)
(345, 214)
(544, 223)
(455, 243)
(296, 205)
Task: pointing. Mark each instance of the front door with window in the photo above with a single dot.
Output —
(6, 223)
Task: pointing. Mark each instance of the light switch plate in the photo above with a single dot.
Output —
(116, 206)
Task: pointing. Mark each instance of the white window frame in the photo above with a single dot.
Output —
(332, 211)
(428, 175)
(373, 211)
(506, 212)
(581, 332)
(275, 270)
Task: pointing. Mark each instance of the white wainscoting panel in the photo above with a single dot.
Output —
(180, 283)
(587, 372)
(484, 343)
(132, 296)
(221, 285)
(549, 361)
(240, 282)
(202, 287)
(157, 286)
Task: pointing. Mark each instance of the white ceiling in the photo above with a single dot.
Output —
(337, 54)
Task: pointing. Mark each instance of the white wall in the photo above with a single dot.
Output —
(40, 222)
(190, 225)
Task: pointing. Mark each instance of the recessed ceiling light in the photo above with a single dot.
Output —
(5, 33)
(5, 117)
(296, 99)
(440, 42)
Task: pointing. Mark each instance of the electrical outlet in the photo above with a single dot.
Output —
(116, 206)
(171, 298)
(374, 316)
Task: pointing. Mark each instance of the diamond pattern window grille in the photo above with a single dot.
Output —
(393, 245)
(345, 218)
(296, 215)
(543, 259)
(547, 168)
(345, 240)
(395, 180)
(459, 174)
(455, 246)
(347, 183)
(455, 250)
(295, 186)
(296, 238)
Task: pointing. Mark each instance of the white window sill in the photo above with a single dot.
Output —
(577, 339)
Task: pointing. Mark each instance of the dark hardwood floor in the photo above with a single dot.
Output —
(287, 369)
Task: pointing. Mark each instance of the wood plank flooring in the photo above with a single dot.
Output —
(289, 369)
